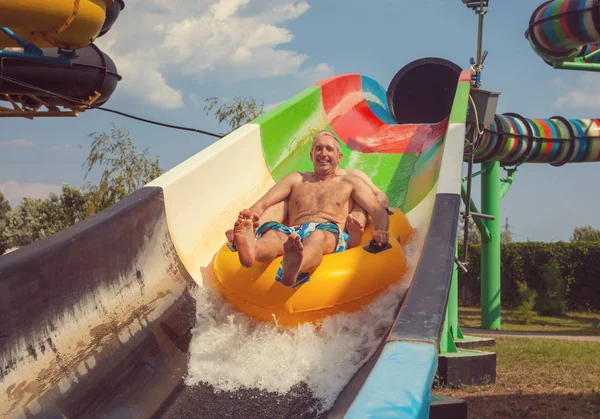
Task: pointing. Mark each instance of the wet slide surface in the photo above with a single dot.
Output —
(118, 316)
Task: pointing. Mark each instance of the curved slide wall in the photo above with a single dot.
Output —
(97, 318)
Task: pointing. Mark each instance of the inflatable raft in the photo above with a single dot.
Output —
(343, 282)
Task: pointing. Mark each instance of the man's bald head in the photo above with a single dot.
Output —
(326, 133)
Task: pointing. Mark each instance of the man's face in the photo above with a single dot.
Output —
(325, 154)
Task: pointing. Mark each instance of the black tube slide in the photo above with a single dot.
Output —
(92, 71)
(422, 92)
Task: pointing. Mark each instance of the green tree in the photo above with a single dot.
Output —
(125, 169)
(35, 219)
(551, 301)
(585, 234)
(525, 311)
(237, 113)
(4, 213)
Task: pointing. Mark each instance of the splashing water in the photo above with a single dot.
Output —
(231, 351)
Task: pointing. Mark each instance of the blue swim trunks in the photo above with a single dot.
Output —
(304, 231)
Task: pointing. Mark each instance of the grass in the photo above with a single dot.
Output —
(575, 323)
(538, 378)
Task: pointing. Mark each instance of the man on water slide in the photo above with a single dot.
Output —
(319, 203)
(355, 222)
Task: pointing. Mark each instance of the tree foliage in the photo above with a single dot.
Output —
(4, 213)
(124, 168)
(237, 113)
(35, 219)
(585, 234)
(564, 275)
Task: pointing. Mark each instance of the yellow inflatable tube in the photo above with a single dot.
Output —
(343, 282)
(69, 24)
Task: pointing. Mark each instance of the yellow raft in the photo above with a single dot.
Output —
(343, 282)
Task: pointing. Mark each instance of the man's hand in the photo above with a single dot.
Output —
(249, 215)
(381, 237)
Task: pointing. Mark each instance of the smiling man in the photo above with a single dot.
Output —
(318, 205)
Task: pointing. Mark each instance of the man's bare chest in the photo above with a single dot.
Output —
(320, 194)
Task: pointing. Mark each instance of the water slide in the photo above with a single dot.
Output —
(118, 316)
(563, 33)
(103, 319)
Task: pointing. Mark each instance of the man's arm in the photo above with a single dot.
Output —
(383, 199)
(278, 193)
(364, 196)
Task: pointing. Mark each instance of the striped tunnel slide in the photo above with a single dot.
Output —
(565, 29)
(559, 30)
(512, 139)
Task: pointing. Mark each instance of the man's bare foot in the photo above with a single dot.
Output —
(244, 241)
(355, 231)
(247, 214)
(292, 259)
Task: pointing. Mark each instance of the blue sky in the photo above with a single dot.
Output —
(175, 53)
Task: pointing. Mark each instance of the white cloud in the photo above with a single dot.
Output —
(17, 143)
(208, 40)
(16, 191)
(585, 95)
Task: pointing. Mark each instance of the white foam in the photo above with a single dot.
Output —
(231, 351)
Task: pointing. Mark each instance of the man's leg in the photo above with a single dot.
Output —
(355, 225)
(305, 257)
(277, 212)
(265, 249)
(270, 245)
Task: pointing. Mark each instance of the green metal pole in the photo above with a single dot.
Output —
(485, 234)
(450, 329)
(447, 344)
(453, 303)
(490, 251)
(507, 183)
(570, 65)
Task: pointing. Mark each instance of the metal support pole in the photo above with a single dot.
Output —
(451, 330)
(569, 65)
(467, 198)
(453, 326)
(447, 344)
(490, 251)
(480, 34)
(477, 173)
(485, 234)
(507, 183)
